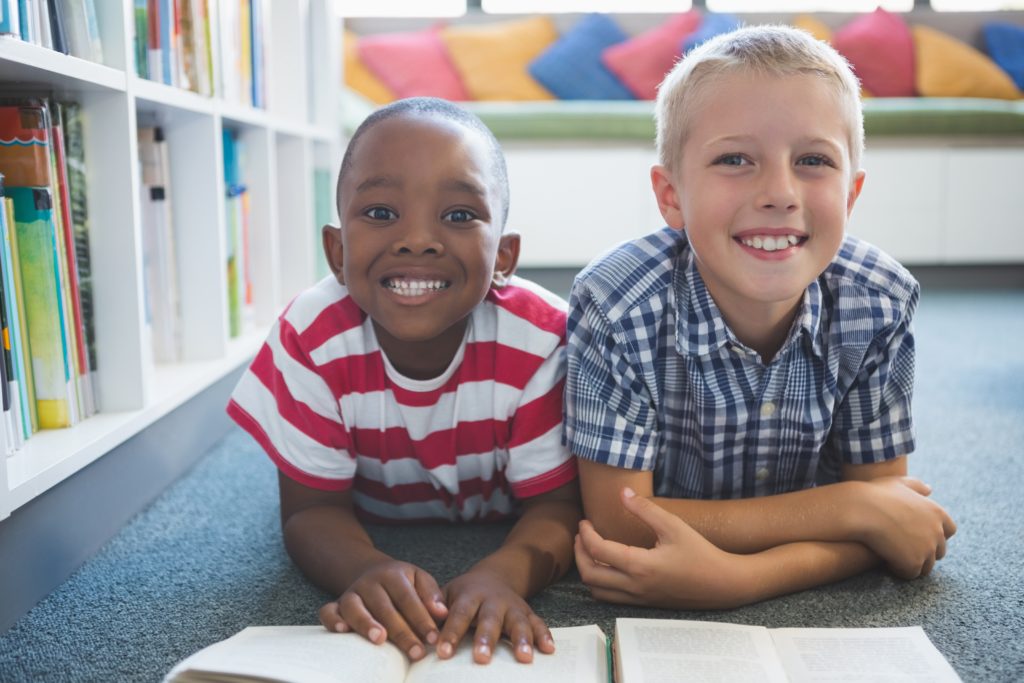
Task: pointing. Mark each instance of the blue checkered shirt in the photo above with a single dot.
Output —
(658, 382)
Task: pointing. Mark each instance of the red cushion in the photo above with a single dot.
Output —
(881, 50)
(412, 64)
(642, 62)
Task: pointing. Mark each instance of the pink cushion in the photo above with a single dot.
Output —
(642, 62)
(881, 50)
(412, 64)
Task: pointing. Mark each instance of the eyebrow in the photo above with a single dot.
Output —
(378, 181)
(809, 140)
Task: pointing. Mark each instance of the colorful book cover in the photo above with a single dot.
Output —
(15, 322)
(74, 144)
(37, 252)
(29, 387)
(141, 38)
(155, 58)
(24, 146)
(9, 383)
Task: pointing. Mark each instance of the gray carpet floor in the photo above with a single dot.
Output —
(205, 560)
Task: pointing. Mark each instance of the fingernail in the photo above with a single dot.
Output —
(484, 649)
(525, 648)
(341, 628)
(374, 634)
(432, 637)
(628, 492)
(415, 652)
(444, 649)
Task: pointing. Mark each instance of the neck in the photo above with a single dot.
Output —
(762, 327)
(422, 359)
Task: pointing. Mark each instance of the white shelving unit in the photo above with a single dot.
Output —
(297, 133)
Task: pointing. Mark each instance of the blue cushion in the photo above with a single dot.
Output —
(1005, 44)
(571, 68)
(712, 25)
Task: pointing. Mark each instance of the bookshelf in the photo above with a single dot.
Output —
(296, 134)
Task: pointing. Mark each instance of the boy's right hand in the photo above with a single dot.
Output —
(391, 600)
(905, 527)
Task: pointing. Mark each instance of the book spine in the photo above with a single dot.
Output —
(10, 21)
(28, 388)
(20, 377)
(141, 40)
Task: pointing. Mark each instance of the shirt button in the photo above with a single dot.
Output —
(761, 474)
(767, 409)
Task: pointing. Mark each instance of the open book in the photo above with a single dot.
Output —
(646, 651)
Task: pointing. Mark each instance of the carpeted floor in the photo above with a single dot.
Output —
(206, 559)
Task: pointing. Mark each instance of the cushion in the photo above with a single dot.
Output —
(881, 51)
(642, 62)
(1005, 44)
(358, 77)
(492, 59)
(712, 25)
(947, 67)
(571, 68)
(816, 27)
(412, 64)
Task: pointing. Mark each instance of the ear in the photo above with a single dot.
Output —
(855, 187)
(667, 197)
(507, 259)
(334, 251)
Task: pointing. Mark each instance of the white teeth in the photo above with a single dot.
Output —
(770, 243)
(414, 287)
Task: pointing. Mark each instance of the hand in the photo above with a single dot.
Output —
(483, 598)
(391, 600)
(907, 529)
(682, 570)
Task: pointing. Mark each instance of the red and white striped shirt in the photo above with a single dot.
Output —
(329, 409)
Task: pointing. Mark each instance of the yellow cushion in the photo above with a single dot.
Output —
(492, 59)
(358, 77)
(815, 27)
(947, 67)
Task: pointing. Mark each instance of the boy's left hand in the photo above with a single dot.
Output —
(484, 598)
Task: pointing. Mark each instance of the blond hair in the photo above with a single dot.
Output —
(763, 50)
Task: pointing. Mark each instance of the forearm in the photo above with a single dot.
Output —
(538, 549)
(798, 566)
(330, 546)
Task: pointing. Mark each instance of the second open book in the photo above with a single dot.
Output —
(645, 651)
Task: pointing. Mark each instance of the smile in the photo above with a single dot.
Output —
(410, 288)
(770, 243)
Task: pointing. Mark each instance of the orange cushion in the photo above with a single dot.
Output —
(642, 62)
(947, 67)
(358, 77)
(814, 26)
(492, 59)
(881, 51)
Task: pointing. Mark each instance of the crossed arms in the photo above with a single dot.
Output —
(723, 553)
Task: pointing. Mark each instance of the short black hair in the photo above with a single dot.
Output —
(442, 109)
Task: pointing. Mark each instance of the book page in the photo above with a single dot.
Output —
(581, 656)
(861, 654)
(677, 651)
(295, 654)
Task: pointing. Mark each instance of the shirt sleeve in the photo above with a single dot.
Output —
(610, 416)
(292, 413)
(873, 423)
(538, 461)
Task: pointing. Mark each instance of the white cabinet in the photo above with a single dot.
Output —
(296, 135)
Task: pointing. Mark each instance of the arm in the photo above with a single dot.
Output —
(876, 505)
(493, 593)
(381, 598)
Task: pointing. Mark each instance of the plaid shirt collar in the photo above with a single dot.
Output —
(700, 328)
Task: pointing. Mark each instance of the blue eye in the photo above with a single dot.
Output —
(815, 160)
(731, 160)
(459, 216)
(380, 213)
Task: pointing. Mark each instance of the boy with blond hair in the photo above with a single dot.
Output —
(740, 381)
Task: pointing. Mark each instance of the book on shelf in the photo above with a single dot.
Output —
(643, 651)
(16, 425)
(10, 18)
(237, 220)
(171, 43)
(81, 29)
(67, 26)
(160, 258)
(242, 40)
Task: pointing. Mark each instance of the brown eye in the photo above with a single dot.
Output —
(380, 213)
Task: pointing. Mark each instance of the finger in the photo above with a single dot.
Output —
(460, 616)
(331, 618)
(948, 525)
(406, 597)
(431, 596)
(355, 613)
(664, 524)
(940, 550)
(488, 633)
(542, 638)
(917, 485)
(520, 634)
(379, 607)
(927, 567)
(610, 553)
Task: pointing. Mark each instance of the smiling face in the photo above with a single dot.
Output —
(763, 189)
(421, 240)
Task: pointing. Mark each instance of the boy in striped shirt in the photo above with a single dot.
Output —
(421, 382)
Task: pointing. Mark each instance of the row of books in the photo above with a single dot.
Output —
(237, 220)
(49, 344)
(174, 45)
(67, 26)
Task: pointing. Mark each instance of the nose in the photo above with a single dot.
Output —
(778, 190)
(418, 236)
